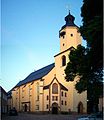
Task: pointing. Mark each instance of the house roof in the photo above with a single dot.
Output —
(36, 75)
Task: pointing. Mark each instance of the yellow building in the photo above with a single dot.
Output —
(46, 89)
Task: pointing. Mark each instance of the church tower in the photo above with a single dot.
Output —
(69, 38)
(69, 35)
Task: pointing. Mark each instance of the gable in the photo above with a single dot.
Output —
(62, 86)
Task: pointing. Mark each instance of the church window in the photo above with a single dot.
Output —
(65, 103)
(62, 93)
(47, 106)
(54, 98)
(63, 60)
(54, 88)
(47, 97)
(63, 36)
(62, 102)
(71, 35)
(63, 44)
(65, 94)
(37, 91)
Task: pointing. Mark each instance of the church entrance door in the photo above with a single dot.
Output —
(54, 108)
(25, 108)
(80, 107)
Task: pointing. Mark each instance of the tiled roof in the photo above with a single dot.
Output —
(36, 75)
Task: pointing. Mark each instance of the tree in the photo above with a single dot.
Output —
(92, 29)
(88, 62)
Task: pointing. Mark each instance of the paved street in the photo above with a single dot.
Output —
(25, 116)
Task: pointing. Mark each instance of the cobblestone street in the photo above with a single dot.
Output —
(25, 116)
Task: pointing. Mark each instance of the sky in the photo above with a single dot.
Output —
(30, 35)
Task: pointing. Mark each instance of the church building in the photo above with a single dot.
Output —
(46, 89)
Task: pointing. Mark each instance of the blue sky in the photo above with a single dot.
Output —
(30, 35)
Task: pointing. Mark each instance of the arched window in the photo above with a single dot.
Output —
(37, 91)
(63, 60)
(55, 88)
(62, 93)
(47, 97)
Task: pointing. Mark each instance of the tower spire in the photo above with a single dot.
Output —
(69, 20)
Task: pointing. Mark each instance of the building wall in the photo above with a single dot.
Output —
(46, 102)
(35, 97)
(80, 98)
(101, 104)
(3, 100)
(69, 40)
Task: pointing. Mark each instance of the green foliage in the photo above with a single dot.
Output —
(88, 62)
(92, 29)
(80, 65)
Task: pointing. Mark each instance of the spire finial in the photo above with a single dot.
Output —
(69, 12)
(68, 8)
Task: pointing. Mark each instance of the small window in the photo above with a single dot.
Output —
(53, 98)
(65, 103)
(62, 102)
(63, 60)
(65, 94)
(37, 97)
(63, 44)
(71, 35)
(47, 97)
(56, 98)
(63, 36)
(62, 93)
(47, 106)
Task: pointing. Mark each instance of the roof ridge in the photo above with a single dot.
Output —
(42, 68)
(38, 70)
(36, 74)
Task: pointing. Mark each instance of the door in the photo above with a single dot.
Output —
(54, 108)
